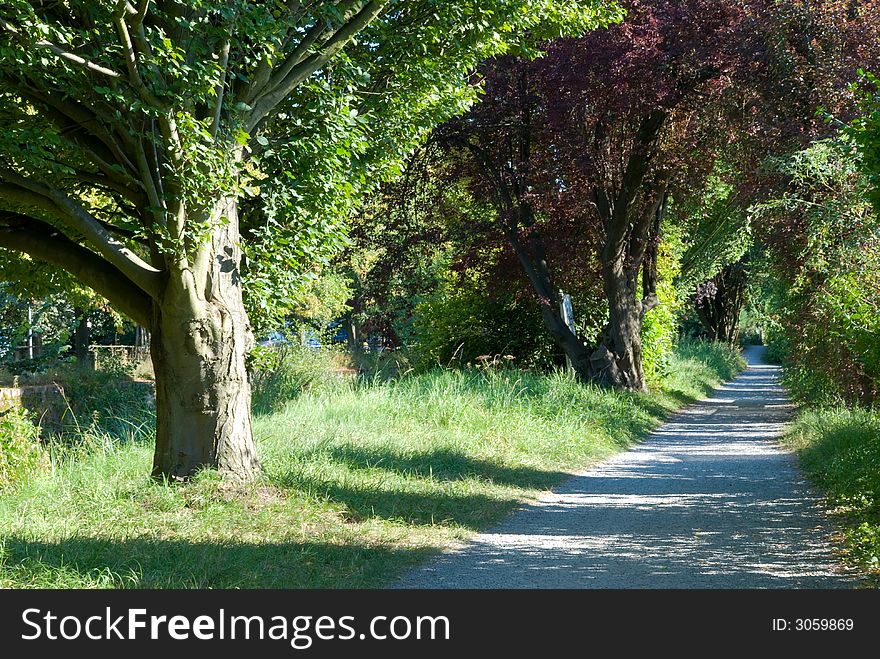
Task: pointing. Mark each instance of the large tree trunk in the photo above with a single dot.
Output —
(631, 214)
(200, 338)
(618, 360)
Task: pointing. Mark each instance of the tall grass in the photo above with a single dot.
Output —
(839, 449)
(362, 479)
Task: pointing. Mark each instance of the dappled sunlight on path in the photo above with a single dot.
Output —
(708, 501)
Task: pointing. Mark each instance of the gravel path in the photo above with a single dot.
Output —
(709, 500)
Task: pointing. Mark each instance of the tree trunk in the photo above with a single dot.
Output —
(535, 263)
(618, 361)
(141, 336)
(81, 338)
(200, 339)
(577, 353)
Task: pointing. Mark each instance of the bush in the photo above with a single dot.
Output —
(821, 285)
(465, 323)
(659, 332)
(660, 326)
(21, 454)
(280, 373)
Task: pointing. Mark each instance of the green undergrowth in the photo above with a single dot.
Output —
(361, 480)
(839, 450)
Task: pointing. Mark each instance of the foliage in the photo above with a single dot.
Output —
(865, 132)
(360, 483)
(50, 319)
(281, 373)
(717, 227)
(323, 299)
(468, 321)
(21, 455)
(821, 284)
(839, 449)
(660, 326)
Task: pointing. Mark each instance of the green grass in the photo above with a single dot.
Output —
(839, 450)
(361, 481)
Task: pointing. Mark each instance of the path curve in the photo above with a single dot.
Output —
(709, 500)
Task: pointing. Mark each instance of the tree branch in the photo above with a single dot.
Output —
(131, 60)
(80, 127)
(140, 14)
(145, 276)
(298, 55)
(42, 241)
(636, 169)
(277, 90)
(221, 88)
(265, 80)
(60, 52)
(137, 198)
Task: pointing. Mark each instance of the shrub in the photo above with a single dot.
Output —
(660, 326)
(464, 323)
(21, 454)
(822, 279)
(280, 373)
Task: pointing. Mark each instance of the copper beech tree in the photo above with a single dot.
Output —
(134, 129)
(587, 145)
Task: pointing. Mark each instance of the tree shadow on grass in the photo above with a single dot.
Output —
(145, 563)
(450, 496)
(431, 508)
(445, 465)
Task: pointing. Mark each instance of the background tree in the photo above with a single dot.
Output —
(720, 300)
(582, 149)
(593, 142)
(820, 275)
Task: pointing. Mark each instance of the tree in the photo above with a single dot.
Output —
(713, 272)
(586, 147)
(720, 300)
(588, 143)
(822, 274)
(137, 129)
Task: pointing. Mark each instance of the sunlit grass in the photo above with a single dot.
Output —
(839, 450)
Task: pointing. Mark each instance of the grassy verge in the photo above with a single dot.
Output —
(361, 481)
(839, 451)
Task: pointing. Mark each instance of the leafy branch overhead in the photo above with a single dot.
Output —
(151, 106)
